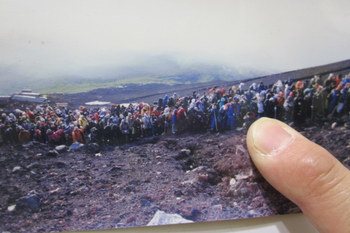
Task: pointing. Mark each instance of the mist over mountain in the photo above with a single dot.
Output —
(159, 69)
(106, 43)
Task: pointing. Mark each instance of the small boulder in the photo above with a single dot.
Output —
(244, 175)
(34, 165)
(243, 192)
(28, 145)
(184, 153)
(115, 169)
(17, 169)
(162, 218)
(11, 208)
(145, 203)
(240, 149)
(232, 182)
(52, 153)
(61, 149)
(347, 125)
(213, 177)
(39, 155)
(178, 193)
(334, 125)
(191, 213)
(31, 202)
(59, 164)
(94, 148)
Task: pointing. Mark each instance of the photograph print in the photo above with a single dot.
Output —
(118, 114)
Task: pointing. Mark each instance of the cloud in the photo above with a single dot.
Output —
(83, 37)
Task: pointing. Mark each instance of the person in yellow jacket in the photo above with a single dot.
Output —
(82, 121)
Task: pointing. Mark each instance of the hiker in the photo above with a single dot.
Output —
(174, 121)
(82, 121)
(124, 128)
(78, 135)
(288, 108)
(181, 119)
(147, 124)
(302, 102)
(23, 136)
(230, 124)
(222, 117)
(260, 105)
(332, 100)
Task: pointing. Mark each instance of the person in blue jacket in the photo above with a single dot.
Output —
(230, 124)
(213, 118)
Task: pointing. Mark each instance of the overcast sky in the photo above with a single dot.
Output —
(75, 37)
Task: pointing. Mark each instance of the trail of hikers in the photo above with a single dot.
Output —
(302, 103)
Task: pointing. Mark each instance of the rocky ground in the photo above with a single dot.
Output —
(202, 177)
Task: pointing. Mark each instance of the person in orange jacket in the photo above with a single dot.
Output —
(78, 135)
(23, 136)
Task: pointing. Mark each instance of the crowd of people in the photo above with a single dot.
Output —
(302, 102)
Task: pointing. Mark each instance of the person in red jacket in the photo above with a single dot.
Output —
(181, 119)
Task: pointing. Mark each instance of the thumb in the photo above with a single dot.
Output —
(304, 172)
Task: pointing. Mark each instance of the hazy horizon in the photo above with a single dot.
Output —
(51, 39)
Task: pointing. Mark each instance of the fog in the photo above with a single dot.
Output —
(48, 39)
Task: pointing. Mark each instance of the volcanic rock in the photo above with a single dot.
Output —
(59, 164)
(52, 153)
(334, 124)
(28, 145)
(11, 208)
(94, 148)
(31, 202)
(17, 169)
(34, 165)
(191, 213)
(162, 218)
(232, 182)
(244, 176)
(61, 149)
(347, 125)
(184, 153)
